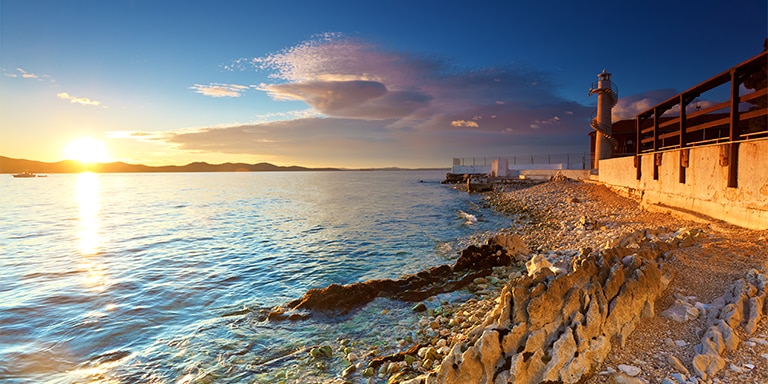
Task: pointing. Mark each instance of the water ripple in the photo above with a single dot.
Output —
(169, 255)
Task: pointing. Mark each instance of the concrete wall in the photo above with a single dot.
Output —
(705, 189)
(471, 169)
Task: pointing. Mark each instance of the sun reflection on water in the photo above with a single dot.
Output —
(88, 200)
(89, 240)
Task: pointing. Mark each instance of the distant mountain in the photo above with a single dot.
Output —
(9, 165)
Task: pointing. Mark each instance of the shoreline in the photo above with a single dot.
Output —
(559, 220)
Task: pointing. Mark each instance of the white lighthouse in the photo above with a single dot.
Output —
(607, 96)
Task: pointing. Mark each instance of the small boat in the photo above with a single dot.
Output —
(24, 174)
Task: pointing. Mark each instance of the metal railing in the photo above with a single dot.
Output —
(569, 160)
(722, 122)
(741, 118)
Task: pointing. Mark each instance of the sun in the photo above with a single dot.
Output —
(87, 150)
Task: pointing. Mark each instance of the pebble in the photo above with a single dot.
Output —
(675, 363)
(348, 371)
(608, 371)
(759, 341)
(630, 370)
(619, 378)
(765, 356)
(681, 343)
(679, 377)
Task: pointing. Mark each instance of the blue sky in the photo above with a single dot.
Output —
(346, 83)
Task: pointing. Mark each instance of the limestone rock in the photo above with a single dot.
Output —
(620, 378)
(512, 243)
(538, 263)
(629, 370)
(705, 365)
(680, 311)
(550, 327)
(675, 363)
(740, 306)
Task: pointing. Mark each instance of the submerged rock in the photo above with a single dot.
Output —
(474, 262)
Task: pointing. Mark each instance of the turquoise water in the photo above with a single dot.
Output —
(152, 277)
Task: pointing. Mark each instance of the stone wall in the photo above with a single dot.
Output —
(559, 328)
(705, 189)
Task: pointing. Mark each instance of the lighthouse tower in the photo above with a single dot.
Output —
(607, 96)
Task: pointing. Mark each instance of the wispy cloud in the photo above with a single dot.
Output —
(78, 100)
(220, 90)
(22, 74)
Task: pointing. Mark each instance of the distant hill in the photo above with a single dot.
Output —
(10, 165)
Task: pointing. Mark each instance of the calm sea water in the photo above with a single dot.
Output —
(120, 278)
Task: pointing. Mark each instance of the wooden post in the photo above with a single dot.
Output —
(685, 158)
(682, 136)
(734, 134)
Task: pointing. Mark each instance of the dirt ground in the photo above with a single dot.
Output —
(555, 213)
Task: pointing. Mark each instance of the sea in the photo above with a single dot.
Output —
(156, 277)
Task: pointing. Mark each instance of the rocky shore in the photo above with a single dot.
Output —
(591, 289)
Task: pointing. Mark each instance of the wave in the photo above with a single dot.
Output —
(469, 218)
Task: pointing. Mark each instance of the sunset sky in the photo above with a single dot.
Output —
(345, 83)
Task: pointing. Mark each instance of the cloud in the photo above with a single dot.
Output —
(361, 99)
(78, 100)
(370, 103)
(26, 75)
(464, 123)
(220, 90)
(629, 107)
(21, 73)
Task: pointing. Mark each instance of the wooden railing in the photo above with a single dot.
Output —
(722, 123)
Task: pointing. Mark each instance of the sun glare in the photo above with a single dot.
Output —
(87, 150)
